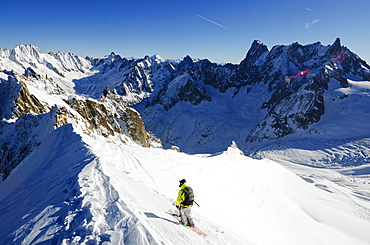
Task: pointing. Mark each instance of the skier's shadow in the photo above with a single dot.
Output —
(154, 216)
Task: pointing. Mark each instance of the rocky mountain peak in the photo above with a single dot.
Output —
(157, 58)
(27, 49)
(71, 62)
(186, 63)
(256, 50)
(25, 53)
(335, 47)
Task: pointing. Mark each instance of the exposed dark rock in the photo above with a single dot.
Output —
(31, 73)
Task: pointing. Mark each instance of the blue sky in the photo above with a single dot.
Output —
(221, 31)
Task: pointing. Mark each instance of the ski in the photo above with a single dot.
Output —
(197, 230)
(193, 228)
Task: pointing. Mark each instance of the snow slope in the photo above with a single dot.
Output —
(77, 189)
(340, 139)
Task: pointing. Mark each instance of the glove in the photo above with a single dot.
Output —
(178, 207)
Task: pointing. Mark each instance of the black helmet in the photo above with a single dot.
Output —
(182, 182)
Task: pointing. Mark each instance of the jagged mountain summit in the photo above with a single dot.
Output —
(202, 106)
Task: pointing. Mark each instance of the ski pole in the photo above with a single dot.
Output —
(196, 203)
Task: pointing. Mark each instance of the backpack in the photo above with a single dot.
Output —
(189, 196)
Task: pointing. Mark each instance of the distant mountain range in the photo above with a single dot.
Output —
(276, 97)
(202, 106)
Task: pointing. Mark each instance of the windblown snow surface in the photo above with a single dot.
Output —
(77, 189)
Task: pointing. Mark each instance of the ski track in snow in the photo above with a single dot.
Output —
(150, 168)
(152, 217)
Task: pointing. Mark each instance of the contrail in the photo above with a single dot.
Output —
(211, 21)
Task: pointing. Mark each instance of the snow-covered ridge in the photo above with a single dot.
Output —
(32, 55)
(62, 67)
(78, 189)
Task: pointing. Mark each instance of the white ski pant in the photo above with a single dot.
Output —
(186, 216)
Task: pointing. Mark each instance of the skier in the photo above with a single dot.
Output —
(184, 201)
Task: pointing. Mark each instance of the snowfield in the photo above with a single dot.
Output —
(77, 189)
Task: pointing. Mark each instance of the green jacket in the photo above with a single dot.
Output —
(181, 196)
